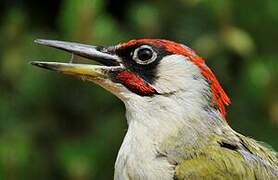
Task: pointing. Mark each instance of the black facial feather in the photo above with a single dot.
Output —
(147, 72)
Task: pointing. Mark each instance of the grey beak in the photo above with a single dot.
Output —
(97, 53)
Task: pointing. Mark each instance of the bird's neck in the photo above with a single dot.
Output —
(152, 122)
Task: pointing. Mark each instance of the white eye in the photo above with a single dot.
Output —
(144, 55)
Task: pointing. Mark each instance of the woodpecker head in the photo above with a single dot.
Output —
(144, 68)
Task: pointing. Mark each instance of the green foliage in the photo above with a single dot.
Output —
(58, 127)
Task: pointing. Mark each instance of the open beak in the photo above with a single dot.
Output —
(111, 62)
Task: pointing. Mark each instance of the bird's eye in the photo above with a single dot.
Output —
(144, 55)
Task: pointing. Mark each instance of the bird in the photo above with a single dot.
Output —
(175, 111)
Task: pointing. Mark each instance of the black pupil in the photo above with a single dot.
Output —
(144, 54)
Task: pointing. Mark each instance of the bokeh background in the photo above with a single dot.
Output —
(58, 127)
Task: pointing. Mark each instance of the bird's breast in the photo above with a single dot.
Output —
(139, 159)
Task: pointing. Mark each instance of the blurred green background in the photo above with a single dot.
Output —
(58, 127)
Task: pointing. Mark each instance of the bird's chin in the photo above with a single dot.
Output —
(102, 75)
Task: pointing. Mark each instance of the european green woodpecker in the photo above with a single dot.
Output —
(175, 110)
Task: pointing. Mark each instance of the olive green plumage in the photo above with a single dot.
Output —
(236, 158)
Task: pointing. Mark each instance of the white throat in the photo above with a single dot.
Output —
(181, 114)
